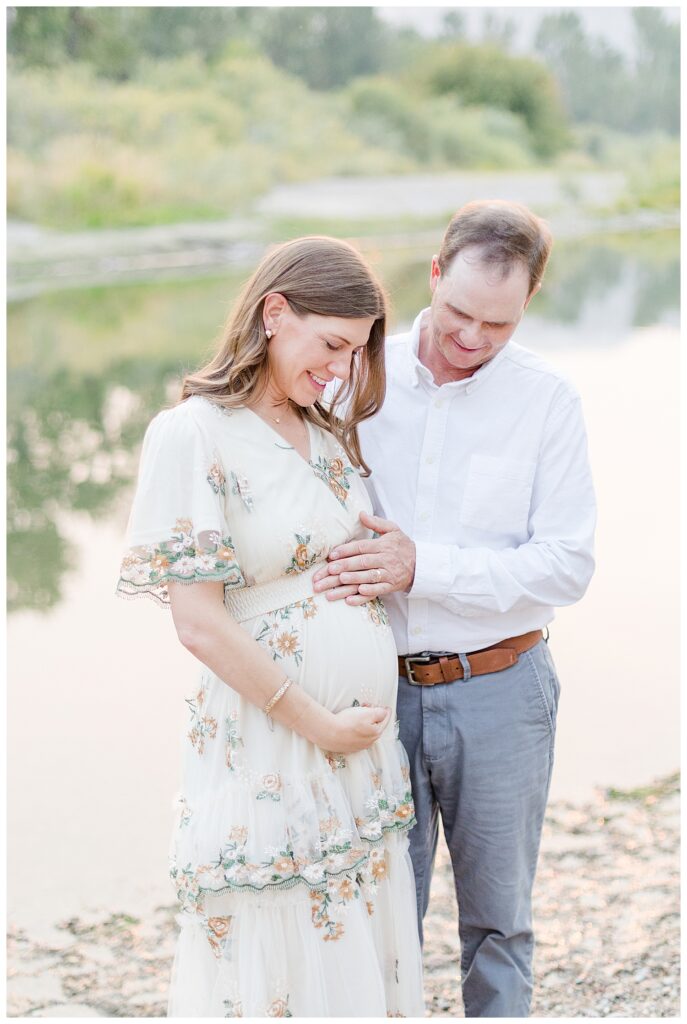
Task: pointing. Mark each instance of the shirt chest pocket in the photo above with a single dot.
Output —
(498, 494)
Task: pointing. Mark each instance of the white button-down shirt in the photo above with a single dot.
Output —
(489, 476)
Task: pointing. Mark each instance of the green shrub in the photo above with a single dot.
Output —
(382, 110)
(486, 76)
(654, 178)
(175, 144)
(437, 131)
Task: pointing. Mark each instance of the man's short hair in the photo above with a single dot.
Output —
(504, 232)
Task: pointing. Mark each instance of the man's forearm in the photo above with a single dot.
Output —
(481, 581)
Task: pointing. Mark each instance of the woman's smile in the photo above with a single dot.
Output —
(319, 383)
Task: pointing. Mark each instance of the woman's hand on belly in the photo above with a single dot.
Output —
(355, 729)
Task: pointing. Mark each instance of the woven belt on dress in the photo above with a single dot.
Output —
(429, 669)
(247, 602)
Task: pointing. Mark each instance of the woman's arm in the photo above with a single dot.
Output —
(211, 635)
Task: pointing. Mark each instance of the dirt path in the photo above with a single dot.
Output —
(606, 909)
(427, 195)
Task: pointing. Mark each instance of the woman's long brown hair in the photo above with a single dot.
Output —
(316, 275)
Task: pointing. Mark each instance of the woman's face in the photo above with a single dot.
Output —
(306, 353)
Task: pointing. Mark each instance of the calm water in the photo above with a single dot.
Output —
(96, 685)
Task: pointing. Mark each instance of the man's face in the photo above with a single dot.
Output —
(475, 310)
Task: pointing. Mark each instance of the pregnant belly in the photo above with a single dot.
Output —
(349, 655)
(338, 653)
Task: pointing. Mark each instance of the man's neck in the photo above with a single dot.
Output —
(442, 371)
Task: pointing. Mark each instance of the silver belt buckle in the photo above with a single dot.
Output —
(415, 659)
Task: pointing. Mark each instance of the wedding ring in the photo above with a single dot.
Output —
(377, 575)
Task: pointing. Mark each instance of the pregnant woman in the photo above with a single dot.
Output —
(290, 853)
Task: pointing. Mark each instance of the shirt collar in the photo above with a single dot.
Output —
(418, 372)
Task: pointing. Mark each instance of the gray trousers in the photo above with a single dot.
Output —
(481, 754)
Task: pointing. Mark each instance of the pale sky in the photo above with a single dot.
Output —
(614, 24)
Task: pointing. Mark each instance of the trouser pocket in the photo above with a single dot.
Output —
(546, 683)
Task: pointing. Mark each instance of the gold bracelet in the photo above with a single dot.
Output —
(277, 696)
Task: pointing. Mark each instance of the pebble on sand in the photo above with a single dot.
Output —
(607, 917)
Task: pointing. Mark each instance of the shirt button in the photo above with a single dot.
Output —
(429, 460)
(438, 402)
(416, 630)
(424, 516)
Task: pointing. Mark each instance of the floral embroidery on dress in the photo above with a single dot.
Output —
(308, 607)
(328, 905)
(285, 641)
(374, 871)
(216, 478)
(305, 554)
(282, 867)
(320, 916)
(147, 568)
(238, 834)
(233, 1008)
(392, 812)
(196, 703)
(334, 472)
(241, 488)
(233, 739)
(217, 932)
(271, 787)
(233, 871)
(279, 1008)
(335, 761)
(204, 727)
(187, 888)
(281, 643)
(376, 612)
(185, 812)
(378, 866)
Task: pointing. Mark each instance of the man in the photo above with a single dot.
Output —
(479, 467)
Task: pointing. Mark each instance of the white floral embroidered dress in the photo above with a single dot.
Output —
(291, 864)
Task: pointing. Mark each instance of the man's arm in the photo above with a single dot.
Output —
(552, 568)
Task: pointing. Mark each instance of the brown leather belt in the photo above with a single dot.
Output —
(430, 669)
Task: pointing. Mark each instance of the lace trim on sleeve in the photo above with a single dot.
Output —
(186, 557)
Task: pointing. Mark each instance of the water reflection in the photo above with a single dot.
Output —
(88, 369)
(594, 289)
(73, 440)
(619, 285)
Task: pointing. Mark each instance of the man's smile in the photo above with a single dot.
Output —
(464, 348)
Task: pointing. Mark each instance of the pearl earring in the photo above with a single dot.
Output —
(268, 334)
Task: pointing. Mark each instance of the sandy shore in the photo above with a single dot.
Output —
(606, 908)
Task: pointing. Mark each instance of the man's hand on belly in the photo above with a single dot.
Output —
(363, 569)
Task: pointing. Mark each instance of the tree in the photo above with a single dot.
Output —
(174, 31)
(599, 85)
(657, 73)
(496, 30)
(113, 39)
(327, 46)
(453, 25)
(593, 76)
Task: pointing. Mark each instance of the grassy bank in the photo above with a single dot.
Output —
(184, 141)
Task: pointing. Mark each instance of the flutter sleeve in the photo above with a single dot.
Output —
(177, 529)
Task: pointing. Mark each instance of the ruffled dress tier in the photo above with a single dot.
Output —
(290, 863)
